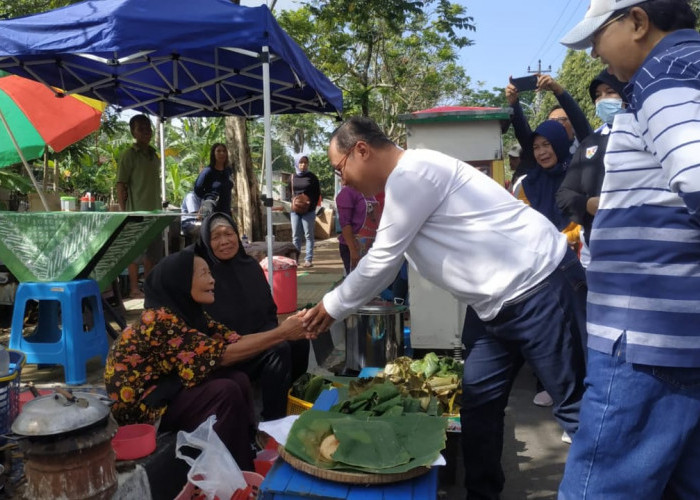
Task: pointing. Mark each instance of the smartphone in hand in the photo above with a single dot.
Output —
(525, 83)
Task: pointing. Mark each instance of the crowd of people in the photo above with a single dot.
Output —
(629, 325)
(615, 346)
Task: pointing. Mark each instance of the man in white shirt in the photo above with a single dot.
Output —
(465, 233)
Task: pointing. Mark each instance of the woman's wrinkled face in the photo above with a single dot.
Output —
(544, 152)
(202, 282)
(224, 242)
(304, 164)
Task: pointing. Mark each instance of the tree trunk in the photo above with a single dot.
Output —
(247, 193)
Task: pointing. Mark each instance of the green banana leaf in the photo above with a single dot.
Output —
(420, 436)
(365, 442)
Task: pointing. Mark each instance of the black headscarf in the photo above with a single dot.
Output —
(611, 80)
(169, 285)
(243, 302)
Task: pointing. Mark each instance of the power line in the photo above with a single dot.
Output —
(551, 31)
(563, 29)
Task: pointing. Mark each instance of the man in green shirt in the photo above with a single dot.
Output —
(138, 181)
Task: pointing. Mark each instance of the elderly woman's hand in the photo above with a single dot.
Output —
(293, 328)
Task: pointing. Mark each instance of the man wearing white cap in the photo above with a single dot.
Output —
(639, 433)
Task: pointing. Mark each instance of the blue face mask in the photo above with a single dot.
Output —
(606, 109)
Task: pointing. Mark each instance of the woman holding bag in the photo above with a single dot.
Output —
(306, 190)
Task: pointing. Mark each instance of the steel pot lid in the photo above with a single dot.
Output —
(379, 306)
(60, 413)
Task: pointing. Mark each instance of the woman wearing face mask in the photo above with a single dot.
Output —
(580, 191)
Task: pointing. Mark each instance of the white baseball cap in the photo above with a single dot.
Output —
(599, 11)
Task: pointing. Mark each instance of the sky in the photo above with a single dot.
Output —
(510, 35)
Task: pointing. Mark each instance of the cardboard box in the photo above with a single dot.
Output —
(52, 199)
(325, 224)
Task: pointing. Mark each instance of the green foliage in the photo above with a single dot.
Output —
(389, 58)
(319, 165)
(16, 8)
(13, 179)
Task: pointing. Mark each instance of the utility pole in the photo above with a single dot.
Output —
(538, 98)
(539, 69)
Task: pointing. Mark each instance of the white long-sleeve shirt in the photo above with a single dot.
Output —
(460, 230)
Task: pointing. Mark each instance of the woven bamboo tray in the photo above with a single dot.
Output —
(349, 477)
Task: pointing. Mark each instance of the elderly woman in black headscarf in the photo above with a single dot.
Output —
(179, 366)
(244, 303)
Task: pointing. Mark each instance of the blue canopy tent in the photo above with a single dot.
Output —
(172, 58)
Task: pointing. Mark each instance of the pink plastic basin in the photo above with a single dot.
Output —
(134, 441)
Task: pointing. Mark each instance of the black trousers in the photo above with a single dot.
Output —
(275, 369)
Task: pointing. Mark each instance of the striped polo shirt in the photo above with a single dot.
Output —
(644, 277)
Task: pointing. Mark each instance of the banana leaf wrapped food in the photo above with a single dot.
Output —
(377, 445)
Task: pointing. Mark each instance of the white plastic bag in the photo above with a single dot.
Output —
(214, 471)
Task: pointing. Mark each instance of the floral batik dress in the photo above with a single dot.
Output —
(160, 345)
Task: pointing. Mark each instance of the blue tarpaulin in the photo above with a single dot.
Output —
(169, 58)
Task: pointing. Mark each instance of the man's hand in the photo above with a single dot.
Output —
(592, 205)
(354, 256)
(122, 195)
(317, 320)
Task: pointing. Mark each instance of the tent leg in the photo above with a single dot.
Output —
(267, 110)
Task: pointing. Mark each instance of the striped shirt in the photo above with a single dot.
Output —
(644, 277)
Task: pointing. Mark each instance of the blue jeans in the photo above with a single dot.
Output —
(308, 223)
(546, 327)
(640, 432)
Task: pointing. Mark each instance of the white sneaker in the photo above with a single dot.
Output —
(566, 438)
(542, 399)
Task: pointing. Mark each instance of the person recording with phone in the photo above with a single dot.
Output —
(541, 182)
(567, 112)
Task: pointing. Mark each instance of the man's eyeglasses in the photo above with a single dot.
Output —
(340, 166)
(561, 119)
(607, 23)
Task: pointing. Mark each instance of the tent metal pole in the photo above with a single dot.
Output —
(161, 137)
(161, 140)
(267, 110)
(24, 162)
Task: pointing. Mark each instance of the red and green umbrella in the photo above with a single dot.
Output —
(38, 118)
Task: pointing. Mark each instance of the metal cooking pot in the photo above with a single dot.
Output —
(374, 335)
(60, 413)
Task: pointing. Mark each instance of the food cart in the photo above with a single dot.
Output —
(471, 134)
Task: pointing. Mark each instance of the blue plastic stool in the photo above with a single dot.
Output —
(60, 336)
